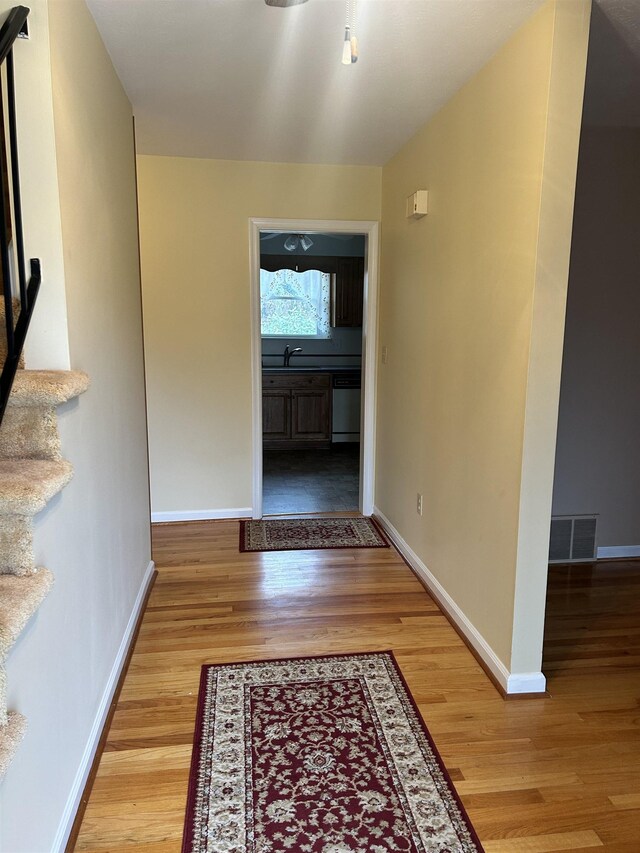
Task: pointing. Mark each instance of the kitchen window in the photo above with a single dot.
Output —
(295, 304)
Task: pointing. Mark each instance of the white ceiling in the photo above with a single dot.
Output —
(236, 79)
(612, 95)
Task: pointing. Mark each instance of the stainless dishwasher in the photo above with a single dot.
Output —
(346, 407)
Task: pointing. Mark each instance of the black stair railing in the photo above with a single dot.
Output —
(19, 294)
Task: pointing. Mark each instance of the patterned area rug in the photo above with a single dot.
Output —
(318, 755)
(301, 534)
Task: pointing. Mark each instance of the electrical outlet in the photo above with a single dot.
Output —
(419, 504)
(385, 354)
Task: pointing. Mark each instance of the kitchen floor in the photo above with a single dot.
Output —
(311, 480)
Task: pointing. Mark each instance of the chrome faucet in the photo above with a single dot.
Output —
(288, 353)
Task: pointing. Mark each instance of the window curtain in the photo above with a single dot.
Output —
(295, 303)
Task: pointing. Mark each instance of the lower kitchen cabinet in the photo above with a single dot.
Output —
(310, 415)
(276, 415)
(296, 410)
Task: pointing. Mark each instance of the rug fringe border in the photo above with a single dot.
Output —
(196, 753)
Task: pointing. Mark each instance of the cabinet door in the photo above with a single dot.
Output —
(347, 297)
(276, 414)
(311, 415)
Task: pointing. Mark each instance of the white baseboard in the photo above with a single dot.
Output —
(618, 552)
(73, 801)
(202, 514)
(511, 683)
(526, 682)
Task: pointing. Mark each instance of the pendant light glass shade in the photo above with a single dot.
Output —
(346, 47)
(294, 240)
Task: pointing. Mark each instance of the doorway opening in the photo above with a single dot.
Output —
(314, 319)
(595, 525)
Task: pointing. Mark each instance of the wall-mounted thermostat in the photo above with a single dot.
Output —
(417, 204)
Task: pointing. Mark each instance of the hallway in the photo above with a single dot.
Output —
(536, 775)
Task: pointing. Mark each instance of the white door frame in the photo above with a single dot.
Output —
(369, 344)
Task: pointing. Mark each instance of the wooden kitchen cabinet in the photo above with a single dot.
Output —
(348, 292)
(276, 415)
(296, 410)
(310, 416)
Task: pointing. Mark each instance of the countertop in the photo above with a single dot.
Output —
(338, 368)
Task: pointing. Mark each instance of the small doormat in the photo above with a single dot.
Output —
(302, 534)
(318, 755)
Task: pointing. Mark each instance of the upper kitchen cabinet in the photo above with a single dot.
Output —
(347, 284)
(347, 296)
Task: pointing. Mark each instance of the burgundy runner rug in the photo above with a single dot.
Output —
(301, 534)
(318, 755)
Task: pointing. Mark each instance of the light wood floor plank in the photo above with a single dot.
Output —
(545, 843)
(536, 775)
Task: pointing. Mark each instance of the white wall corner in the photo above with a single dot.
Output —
(555, 221)
(202, 514)
(73, 801)
(510, 682)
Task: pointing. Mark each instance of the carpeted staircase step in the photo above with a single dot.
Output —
(11, 733)
(20, 597)
(47, 387)
(26, 485)
(29, 429)
(31, 473)
(16, 545)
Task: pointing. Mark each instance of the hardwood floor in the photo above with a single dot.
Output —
(536, 775)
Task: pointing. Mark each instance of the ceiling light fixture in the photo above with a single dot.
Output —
(294, 240)
(350, 43)
(284, 3)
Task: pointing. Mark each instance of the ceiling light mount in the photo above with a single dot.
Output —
(350, 43)
(284, 3)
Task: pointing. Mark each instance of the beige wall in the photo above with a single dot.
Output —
(95, 535)
(457, 307)
(194, 231)
(597, 461)
(47, 344)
